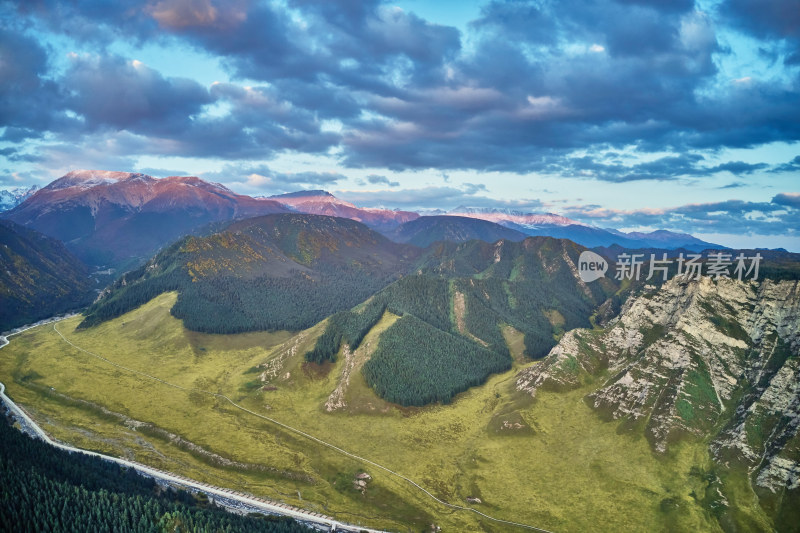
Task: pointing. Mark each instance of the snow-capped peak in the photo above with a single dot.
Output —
(9, 199)
(499, 214)
(87, 179)
(308, 198)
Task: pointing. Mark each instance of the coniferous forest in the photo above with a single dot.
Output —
(289, 272)
(453, 309)
(417, 364)
(39, 277)
(422, 296)
(46, 489)
(279, 272)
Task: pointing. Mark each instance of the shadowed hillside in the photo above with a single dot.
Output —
(38, 278)
(275, 272)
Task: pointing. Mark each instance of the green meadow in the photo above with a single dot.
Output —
(549, 462)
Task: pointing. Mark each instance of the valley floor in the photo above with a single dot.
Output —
(551, 463)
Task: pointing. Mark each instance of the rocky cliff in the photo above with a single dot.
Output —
(714, 360)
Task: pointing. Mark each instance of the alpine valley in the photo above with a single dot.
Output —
(400, 371)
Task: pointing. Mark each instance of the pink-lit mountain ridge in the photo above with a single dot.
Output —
(119, 219)
(319, 202)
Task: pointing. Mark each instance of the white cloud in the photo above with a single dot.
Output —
(258, 181)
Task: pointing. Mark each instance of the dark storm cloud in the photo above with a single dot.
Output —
(750, 113)
(665, 168)
(790, 166)
(29, 101)
(326, 100)
(629, 78)
(316, 71)
(661, 5)
(538, 81)
(769, 20)
(765, 18)
(661, 169)
(255, 105)
(109, 91)
(519, 20)
(14, 155)
(734, 185)
(135, 110)
(94, 151)
(253, 39)
(98, 22)
(15, 135)
(348, 46)
(230, 138)
(738, 167)
(379, 38)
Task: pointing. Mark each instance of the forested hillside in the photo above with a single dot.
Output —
(424, 231)
(286, 271)
(39, 278)
(531, 285)
(417, 364)
(454, 309)
(291, 271)
(44, 489)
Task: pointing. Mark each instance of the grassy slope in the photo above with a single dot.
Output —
(560, 467)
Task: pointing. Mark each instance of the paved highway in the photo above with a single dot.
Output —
(226, 497)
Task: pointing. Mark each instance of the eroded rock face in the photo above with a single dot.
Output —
(706, 358)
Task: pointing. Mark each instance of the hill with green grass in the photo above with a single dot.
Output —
(456, 300)
(550, 462)
(457, 309)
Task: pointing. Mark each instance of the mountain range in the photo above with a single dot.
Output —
(324, 203)
(426, 230)
(283, 271)
(119, 219)
(412, 311)
(11, 198)
(291, 271)
(551, 225)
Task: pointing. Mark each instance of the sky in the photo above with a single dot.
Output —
(626, 114)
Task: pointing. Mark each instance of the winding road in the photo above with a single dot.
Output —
(228, 496)
(258, 503)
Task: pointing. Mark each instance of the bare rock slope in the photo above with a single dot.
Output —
(716, 360)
